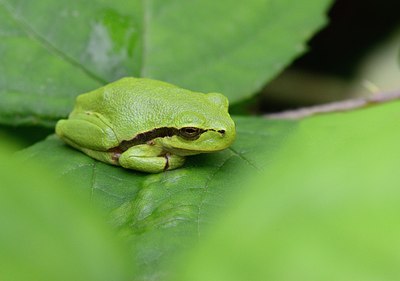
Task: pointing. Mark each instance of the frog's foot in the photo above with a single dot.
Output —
(149, 158)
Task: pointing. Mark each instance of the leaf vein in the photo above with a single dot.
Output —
(244, 158)
(145, 24)
(34, 35)
(93, 181)
(206, 186)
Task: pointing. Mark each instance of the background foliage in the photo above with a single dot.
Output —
(207, 47)
(311, 199)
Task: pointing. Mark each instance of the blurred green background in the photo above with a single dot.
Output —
(306, 199)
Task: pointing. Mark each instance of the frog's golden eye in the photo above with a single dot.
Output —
(190, 133)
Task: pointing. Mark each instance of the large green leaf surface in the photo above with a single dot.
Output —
(162, 214)
(315, 199)
(48, 233)
(327, 209)
(52, 51)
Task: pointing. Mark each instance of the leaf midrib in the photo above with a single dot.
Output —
(34, 35)
(145, 24)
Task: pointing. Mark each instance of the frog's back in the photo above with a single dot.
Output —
(118, 94)
(135, 105)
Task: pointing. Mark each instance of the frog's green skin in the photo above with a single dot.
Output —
(147, 125)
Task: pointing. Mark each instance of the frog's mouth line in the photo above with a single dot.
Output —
(188, 133)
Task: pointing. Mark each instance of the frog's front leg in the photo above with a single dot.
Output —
(149, 158)
(87, 131)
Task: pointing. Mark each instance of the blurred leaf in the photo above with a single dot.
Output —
(24, 136)
(66, 48)
(232, 47)
(326, 209)
(49, 233)
(162, 213)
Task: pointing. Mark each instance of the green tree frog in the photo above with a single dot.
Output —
(147, 125)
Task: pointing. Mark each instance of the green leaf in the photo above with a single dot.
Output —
(233, 47)
(161, 214)
(49, 233)
(322, 207)
(65, 48)
(326, 209)
(58, 58)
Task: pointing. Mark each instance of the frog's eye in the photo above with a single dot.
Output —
(190, 133)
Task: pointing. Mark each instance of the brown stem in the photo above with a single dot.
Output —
(340, 106)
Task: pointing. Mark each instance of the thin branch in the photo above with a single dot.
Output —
(341, 106)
